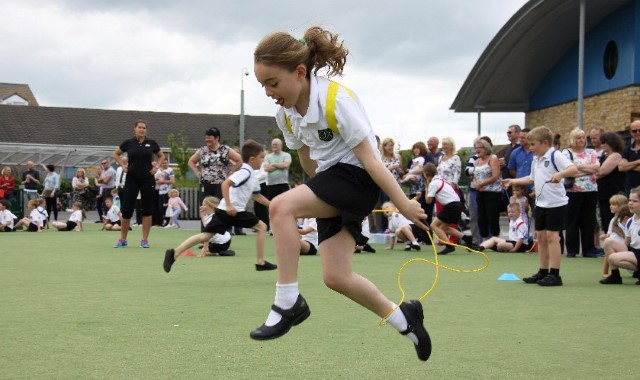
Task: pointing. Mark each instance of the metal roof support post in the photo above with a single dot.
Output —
(581, 67)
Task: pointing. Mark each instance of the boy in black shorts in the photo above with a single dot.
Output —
(236, 190)
(441, 190)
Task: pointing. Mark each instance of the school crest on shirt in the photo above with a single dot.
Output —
(546, 164)
(325, 134)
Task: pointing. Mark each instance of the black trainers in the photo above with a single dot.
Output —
(447, 250)
(611, 280)
(169, 259)
(534, 279)
(407, 247)
(266, 266)
(228, 252)
(412, 311)
(291, 317)
(550, 280)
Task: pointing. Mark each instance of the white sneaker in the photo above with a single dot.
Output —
(169, 226)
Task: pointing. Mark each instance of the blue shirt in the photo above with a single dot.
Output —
(521, 160)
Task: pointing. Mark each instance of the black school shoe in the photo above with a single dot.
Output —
(611, 280)
(169, 259)
(368, 248)
(412, 311)
(228, 252)
(447, 250)
(291, 317)
(534, 279)
(266, 266)
(550, 280)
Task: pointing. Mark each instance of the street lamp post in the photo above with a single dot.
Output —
(244, 72)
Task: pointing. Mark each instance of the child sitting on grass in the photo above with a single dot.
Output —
(518, 234)
(75, 219)
(615, 238)
(6, 216)
(308, 236)
(33, 222)
(219, 244)
(112, 219)
(401, 226)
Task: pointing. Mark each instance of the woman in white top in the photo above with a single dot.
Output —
(486, 178)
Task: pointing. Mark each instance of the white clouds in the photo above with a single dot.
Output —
(409, 58)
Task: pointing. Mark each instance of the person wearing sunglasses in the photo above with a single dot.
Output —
(630, 163)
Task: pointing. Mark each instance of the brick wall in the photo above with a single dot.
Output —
(613, 111)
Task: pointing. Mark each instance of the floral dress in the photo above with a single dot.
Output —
(450, 169)
(214, 164)
(395, 161)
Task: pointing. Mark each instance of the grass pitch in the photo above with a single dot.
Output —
(74, 307)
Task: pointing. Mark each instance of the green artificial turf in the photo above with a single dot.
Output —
(71, 306)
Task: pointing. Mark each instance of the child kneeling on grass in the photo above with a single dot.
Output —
(111, 221)
(439, 189)
(219, 244)
(237, 189)
(518, 234)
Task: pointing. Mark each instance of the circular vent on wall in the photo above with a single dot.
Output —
(610, 64)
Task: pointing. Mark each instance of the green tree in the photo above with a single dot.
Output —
(180, 151)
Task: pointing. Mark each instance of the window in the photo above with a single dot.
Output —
(610, 63)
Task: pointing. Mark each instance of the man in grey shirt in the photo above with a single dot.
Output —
(276, 164)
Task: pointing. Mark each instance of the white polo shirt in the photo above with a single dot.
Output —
(518, 229)
(311, 237)
(549, 194)
(76, 216)
(326, 147)
(245, 184)
(113, 214)
(633, 231)
(7, 217)
(398, 220)
(442, 191)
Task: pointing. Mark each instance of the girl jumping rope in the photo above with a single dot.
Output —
(326, 123)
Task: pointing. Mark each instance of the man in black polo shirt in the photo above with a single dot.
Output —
(630, 162)
(30, 180)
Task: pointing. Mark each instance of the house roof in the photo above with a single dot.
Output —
(22, 90)
(108, 128)
(524, 51)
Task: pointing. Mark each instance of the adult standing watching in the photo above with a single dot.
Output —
(583, 196)
(513, 134)
(50, 191)
(7, 184)
(121, 176)
(276, 164)
(140, 151)
(610, 180)
(630, 162)
(30, 181)
(213, 160)
(106, 181)
(433, 153)
(164, 181)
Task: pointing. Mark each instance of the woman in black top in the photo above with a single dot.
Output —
(610, 180)
(140, 151)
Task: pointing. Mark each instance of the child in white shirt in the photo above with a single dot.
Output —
(614, 238)
(518, 234)
(75, 219)
(308, 236)
(401, 226)
(6, 216)
(112, 218)
(34, 221)
(219, 244)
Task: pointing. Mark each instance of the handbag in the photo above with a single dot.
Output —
(568, 182)
(46, 193)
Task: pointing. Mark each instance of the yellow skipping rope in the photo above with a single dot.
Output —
(436, 264)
